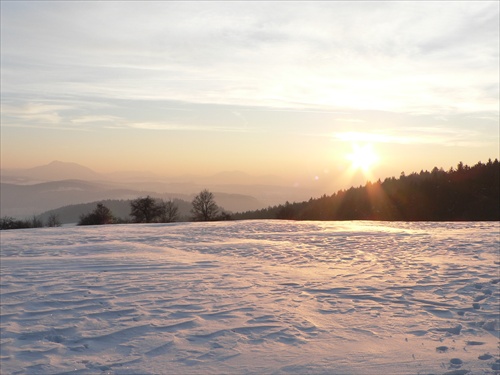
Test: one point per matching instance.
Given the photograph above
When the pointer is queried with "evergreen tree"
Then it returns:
(467, 193)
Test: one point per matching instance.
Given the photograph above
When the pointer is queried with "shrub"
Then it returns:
(100, 216)
(8, 222)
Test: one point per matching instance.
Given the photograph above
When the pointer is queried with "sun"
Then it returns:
(362, 157)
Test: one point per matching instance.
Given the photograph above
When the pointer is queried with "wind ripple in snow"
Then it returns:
(251, 297)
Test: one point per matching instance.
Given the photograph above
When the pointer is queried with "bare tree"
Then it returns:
(204, 207)
(100, 216)
(36, 222)
(168, 211)
(53, 220)
(144, 210)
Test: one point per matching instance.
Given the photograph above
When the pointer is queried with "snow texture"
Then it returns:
(252, 297)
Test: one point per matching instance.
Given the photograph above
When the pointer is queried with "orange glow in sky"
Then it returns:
(265, 88)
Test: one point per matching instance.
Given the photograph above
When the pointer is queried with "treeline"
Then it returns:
(461, 194)
(34, 222)
(142, 210)
(120, 208)
(151, 210)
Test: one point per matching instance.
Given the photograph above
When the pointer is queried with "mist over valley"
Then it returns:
(32, 191)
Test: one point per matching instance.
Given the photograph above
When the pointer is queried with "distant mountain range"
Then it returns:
(26, 200)
(57, 170)
(27, 192)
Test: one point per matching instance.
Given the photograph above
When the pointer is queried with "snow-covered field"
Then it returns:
(254, 297)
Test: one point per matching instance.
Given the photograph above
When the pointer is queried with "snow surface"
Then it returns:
(251, 297)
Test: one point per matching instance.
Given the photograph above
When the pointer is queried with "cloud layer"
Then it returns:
(316, 68)
(383, 56)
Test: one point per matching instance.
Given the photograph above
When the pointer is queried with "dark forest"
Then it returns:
(461, 194)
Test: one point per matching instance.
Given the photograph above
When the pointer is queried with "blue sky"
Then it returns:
(262, 87)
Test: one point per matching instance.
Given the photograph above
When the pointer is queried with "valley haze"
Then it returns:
(26, 192)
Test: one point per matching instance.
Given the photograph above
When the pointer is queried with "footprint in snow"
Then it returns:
(456, 362)
(485, 357)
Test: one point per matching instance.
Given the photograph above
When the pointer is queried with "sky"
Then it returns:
(282, 88)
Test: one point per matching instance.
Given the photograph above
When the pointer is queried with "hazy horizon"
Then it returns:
(321, 91)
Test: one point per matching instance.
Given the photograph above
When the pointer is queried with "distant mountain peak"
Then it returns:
(59, 162)
(59, 170)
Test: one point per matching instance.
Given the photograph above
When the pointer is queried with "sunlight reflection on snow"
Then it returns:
(251, 296)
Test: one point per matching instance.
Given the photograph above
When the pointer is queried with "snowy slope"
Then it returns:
(261, 297)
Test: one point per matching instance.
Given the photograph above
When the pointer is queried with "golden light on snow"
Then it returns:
(251, 296)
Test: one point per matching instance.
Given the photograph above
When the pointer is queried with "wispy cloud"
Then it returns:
(297, 55)
(351, 120)
(251, 76)
(34, 112)
(418, 135)
(96, 119)
(370, 138)
(181, 127)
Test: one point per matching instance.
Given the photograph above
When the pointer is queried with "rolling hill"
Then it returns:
(27, 192)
